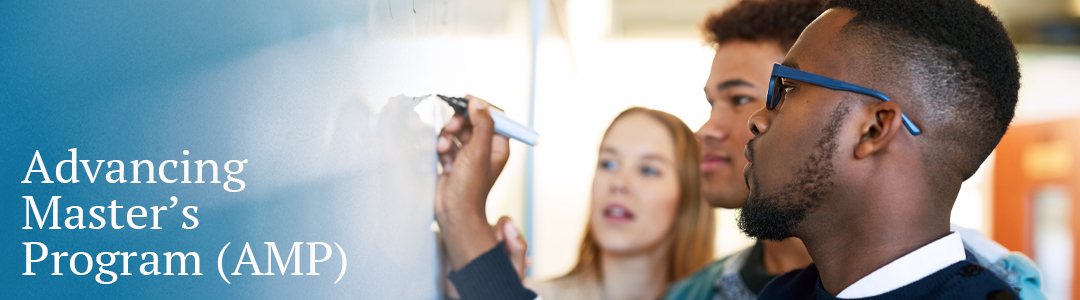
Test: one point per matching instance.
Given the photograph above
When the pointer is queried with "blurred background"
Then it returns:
(595, 58)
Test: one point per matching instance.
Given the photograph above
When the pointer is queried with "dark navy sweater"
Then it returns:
(492, 276)
(961, 280)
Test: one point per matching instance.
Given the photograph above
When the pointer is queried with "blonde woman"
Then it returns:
(648, 226)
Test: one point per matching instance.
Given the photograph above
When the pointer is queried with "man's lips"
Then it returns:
(711, 162)
(748, 152)
(746, 175)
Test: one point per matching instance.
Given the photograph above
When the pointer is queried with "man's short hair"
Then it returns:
(960, 66)
(779, 21)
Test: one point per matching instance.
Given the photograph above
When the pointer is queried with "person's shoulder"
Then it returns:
(696, 286)
(962, 280)
(700, 285)
(1015, 268)
(565, 287)
(966, 280)
(1024, 274)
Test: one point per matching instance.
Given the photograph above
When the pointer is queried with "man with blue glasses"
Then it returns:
(879, 112)
(749, 36)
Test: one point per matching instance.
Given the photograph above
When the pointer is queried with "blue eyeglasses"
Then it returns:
(776, 90)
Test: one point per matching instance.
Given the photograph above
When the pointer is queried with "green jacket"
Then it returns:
(718, 280)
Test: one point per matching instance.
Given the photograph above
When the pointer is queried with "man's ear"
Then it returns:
(879, 129)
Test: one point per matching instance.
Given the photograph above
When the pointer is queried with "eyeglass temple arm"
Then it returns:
(796, 74)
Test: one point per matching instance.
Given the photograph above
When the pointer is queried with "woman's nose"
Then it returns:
(619, 182)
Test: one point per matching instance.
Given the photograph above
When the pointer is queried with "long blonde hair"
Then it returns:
(695, 224)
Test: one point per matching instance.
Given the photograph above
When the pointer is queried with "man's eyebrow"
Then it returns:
(791, 64)
(733, 83)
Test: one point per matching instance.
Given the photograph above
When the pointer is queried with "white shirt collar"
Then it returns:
(909, 268)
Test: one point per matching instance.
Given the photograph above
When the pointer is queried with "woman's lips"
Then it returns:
(618, 213)
(711, 162)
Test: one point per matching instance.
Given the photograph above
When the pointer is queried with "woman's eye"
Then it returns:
(650, 171)
(608, 165)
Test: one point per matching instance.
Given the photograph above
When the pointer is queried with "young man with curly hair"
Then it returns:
(749, 37)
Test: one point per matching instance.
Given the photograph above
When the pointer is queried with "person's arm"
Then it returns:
(482, 269)
(490, 276)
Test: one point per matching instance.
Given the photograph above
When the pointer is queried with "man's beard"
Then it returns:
(774, 216)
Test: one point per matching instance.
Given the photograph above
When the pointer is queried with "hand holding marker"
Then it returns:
(503, 124)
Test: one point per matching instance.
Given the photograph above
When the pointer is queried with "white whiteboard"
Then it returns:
(301, 89)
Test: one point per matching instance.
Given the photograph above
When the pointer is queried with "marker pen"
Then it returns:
(503, 124)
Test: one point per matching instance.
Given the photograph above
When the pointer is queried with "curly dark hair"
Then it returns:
(957, 63)
(779, 21)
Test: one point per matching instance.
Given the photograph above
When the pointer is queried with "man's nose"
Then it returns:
(716, 130)
(759, 121)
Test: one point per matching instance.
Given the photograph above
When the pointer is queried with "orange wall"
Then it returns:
(1013, 187)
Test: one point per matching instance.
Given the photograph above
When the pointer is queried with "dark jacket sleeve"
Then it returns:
(490, 276)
